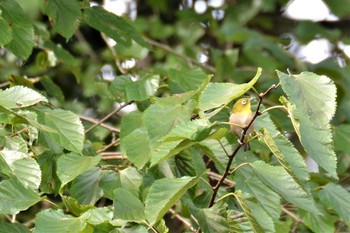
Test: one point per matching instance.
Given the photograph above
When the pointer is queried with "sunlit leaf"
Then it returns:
(69, 129)
(313, 95)
(56, 221)
(217, 95)
(20, 97)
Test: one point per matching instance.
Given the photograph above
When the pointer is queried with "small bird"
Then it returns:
(241, 116)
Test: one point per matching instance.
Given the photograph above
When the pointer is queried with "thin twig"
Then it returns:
(113, 143)
(292, 215)
(184, 57)
(94, 121)
(108, 116)
(183, 220)
(5, 84)
(215, 176)
(113, 156)
(239, 145)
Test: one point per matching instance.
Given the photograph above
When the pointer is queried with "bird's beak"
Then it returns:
(251, 99)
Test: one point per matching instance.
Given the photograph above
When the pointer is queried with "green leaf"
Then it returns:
(5, 32)
(217, 95)
(64, 15)
(25, 168)
(318, 144)
(193, 130)
(108, 182)
(159, 120)
(168, 149)
(341, 138)
(261, 216)
(85, 188)
(277, 179)
(14, 197)
(142, 89)
(127, 206)
(13, 228)
(71, 165)
(316, 140)
(163, 194)
(319, 223)
(113, 26)
(338, 7)
(20, 97)
(186, 80)
(99, 215)
(131, 180)
(69, 129)
(288, 156)
(251, 218)
(213, 220)
(312, 94)
(74, 207)
(336, 197)
(22, 41)
(55, 221)
(136, 146)
(248, 182)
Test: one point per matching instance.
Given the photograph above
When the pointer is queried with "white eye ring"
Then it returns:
(244, 102)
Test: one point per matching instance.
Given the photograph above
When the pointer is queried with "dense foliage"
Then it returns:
(132, 135)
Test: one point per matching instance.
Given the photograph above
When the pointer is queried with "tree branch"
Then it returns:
(234, 153)
(108, 116)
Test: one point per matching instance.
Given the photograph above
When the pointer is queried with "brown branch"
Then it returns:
(108, 116)
(113, 156)
(94, 121)
(234, 153)
(184, 57)
(183, 220)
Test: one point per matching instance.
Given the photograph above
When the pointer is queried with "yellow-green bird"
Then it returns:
(240, 117)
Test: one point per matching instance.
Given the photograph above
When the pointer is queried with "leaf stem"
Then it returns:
(238, 167)
(273, 107)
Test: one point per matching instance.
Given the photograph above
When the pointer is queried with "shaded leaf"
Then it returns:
(251, 218)
(341, 138)
(71, 165)
(277, 179)
(213, 219)
(85, 188)
(113, 26)
(142, 89)
(127, 206)
(14, 197)
(13, 228)
(5, 32)
(319, 223)
(163, 194)
(288, 156)
(248, 182)
(64, 15)
(338, 198)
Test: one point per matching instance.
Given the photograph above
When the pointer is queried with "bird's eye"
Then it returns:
(244, 102)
